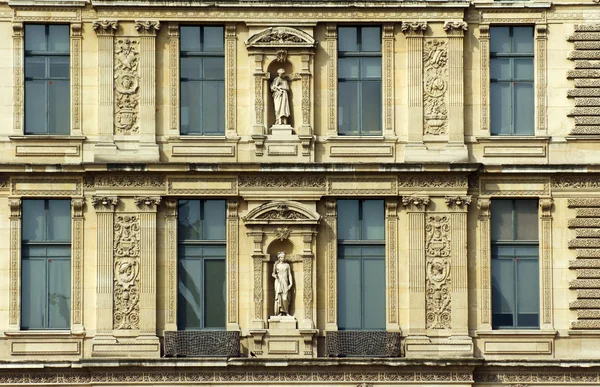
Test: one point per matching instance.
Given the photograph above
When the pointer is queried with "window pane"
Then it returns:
(59, 220)
(526, 219)
(528, 292)
(347, 39)
(190, 293)
(500, 39)
(523, 69)
(214, 290)
(59, 293)
(348, 68)
(191, 114)
(190, 68)
(35, 107)
(500, 108)
(503, 291)
(59, 67)
(502, 223)
(189, 38)
(374, 293)
(214, 220)
(377, 251)
(33, 293)
(34, 220)
(214, 68)
(524, 108)
(522, 40)
(58, 38)
(373, 215)
(213, 112)
(348, 221)
(371, 107)
(348, 107)
(500, 69)
(59, 107)
(370, 39)
(349, 294)
(370, 68)
(189, 220)
(35, 67)
(35, 37)
(213, 39)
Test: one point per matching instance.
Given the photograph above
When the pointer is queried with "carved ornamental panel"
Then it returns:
(435, 86)
(127, 57)
(126, 272)
(437, 279)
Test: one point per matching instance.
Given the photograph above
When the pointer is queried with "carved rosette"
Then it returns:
(127, 57)
(437, 275)
(127, 272)
(435, 86)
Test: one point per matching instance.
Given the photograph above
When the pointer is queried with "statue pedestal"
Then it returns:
(283, 339)
(282, 130)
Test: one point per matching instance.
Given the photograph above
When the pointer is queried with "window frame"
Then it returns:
(360, 54)
(362, 243)
(203, 243)
(221, 129)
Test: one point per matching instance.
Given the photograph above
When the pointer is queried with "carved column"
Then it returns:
(173, 32)
(415, 207)
(459, 205)
(484, 265)
(230, 79)
(18, 79)
(306, 132)
(105, 208)
(308, 266)
(414, 38)
(14, 320)
(258, 320)
(331, 40)
(76, 40)
(546, 263)
(232, 264)
(331, 230)
(147, 206)
(456, 113)
(259, 129)
(391, 244)
(171, 264)
(105, 29)
(77, 265)
(484, 64)
(541, 38)
(147, 72)
(388, 77)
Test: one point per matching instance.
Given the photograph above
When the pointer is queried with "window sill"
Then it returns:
(514, 4)
(357, 138)
(201, 139)
(47, 3)
(46, 334)
(517, 333)
(518, 139)
(47, 137)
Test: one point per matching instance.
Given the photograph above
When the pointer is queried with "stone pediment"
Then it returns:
(282, 212)
(281, 37)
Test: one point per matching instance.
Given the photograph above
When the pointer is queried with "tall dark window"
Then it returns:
(47, 79)
(515, 271)
(202, 99)
(359, 81)
(201, 244)
(511, 76)
(361, 264)
(46, 264)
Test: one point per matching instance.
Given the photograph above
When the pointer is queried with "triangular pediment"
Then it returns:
(280, 212)
(281, 37)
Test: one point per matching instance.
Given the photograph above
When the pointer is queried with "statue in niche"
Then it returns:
(281, 103)
(283, 284)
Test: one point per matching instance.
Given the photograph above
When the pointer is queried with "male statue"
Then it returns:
(283, 285)
(281, 104)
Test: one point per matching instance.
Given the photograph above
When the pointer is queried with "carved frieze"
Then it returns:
(437, 278)
(128, 181)
(281, 181)
(435, 86)
(423, 181)
(127, 57)
(126, 272)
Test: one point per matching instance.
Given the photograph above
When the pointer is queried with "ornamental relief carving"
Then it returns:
(127, 57)
(435, 86)
(282, 212)
(281, 37)
(437, 276)
(126, 272)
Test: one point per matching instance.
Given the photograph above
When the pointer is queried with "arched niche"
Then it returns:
(292, 227)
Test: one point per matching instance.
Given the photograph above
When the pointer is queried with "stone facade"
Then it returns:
(436, 165)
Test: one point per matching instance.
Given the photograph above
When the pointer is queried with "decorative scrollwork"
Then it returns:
(437, 280)
(126, 272)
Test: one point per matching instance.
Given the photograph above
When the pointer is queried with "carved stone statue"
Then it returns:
(281, 102)
(283, 284)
